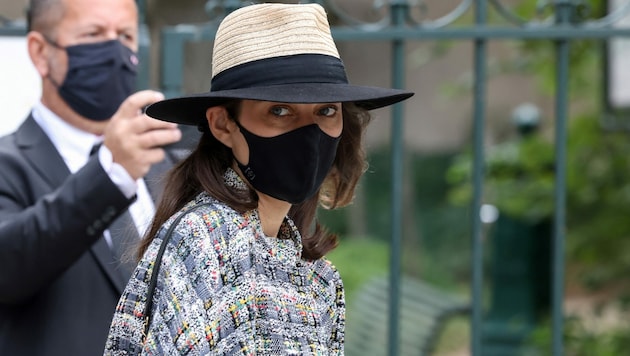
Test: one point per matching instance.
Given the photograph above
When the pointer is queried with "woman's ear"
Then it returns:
(38, 51)
(221, 126)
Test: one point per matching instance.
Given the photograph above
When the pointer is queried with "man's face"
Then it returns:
(83, 22)
(90, 21)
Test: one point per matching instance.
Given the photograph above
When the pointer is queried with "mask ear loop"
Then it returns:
(203, 127)
(244, 168)
(52, 42)
(57, 46)
(232, 109)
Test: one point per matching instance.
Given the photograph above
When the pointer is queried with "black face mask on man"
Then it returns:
(100, 77)
(291, 166)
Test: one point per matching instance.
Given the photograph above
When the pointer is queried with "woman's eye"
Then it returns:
(279, 111)
(328, 111)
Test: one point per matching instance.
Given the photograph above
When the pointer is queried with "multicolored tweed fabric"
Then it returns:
(224, 288)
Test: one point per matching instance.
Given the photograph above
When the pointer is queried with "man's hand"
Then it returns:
(135, 139)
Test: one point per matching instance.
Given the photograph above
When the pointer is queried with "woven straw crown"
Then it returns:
(271, 30)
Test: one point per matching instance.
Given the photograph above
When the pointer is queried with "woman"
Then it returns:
(234, 261)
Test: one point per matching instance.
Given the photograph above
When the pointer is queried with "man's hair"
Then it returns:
(44, 15)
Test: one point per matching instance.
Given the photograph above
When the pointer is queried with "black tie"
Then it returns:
(95, 148)
(124, 235)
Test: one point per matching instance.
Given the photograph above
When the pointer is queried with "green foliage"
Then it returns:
(598, 202)
(520, 182)
(519, 178)
(432, 226)
(519, 175)
(580, 339)
(359, 260)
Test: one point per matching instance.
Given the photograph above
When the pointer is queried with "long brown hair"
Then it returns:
(204, 168)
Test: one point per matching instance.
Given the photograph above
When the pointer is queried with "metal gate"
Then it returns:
(563, 26)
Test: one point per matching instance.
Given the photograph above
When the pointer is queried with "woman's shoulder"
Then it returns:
(326, 284)
(326, 271)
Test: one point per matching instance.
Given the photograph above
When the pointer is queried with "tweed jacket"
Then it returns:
(225, 288)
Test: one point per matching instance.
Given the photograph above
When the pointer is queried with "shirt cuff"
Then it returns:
(117, 173)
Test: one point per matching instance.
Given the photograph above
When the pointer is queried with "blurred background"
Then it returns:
(436, 254)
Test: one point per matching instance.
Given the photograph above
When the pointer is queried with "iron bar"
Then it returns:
(479, 96)
(459, 33)
(13, 31)
(482, 32)
(172, 48)
(143, 80)
(562, 48)
(508, 15)
(398, 11)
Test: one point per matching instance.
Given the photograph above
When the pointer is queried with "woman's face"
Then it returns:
(268, 119)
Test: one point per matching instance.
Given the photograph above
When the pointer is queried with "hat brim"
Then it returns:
(191, 110)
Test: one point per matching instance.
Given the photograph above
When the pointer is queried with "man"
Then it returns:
(62, 263)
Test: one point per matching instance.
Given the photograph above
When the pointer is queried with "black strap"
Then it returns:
(156, 269)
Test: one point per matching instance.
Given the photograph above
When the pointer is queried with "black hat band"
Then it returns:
(301, 68)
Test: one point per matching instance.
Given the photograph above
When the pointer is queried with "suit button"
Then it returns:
(109, 213)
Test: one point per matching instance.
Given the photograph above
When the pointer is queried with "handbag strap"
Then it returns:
(156, 269)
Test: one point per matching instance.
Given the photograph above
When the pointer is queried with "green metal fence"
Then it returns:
(562, 25)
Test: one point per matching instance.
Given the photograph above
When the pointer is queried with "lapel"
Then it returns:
(42, 154)
(102, 253)
(44, 158)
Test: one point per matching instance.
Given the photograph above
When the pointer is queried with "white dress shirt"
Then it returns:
(74, 146)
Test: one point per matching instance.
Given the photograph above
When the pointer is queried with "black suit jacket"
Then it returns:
(59, 284)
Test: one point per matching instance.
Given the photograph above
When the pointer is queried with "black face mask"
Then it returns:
(291, 166)
(100, 77)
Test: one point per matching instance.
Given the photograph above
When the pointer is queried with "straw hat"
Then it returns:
(275, 52)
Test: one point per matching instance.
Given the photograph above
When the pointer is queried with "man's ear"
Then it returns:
(221, 126)
(38, 51)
